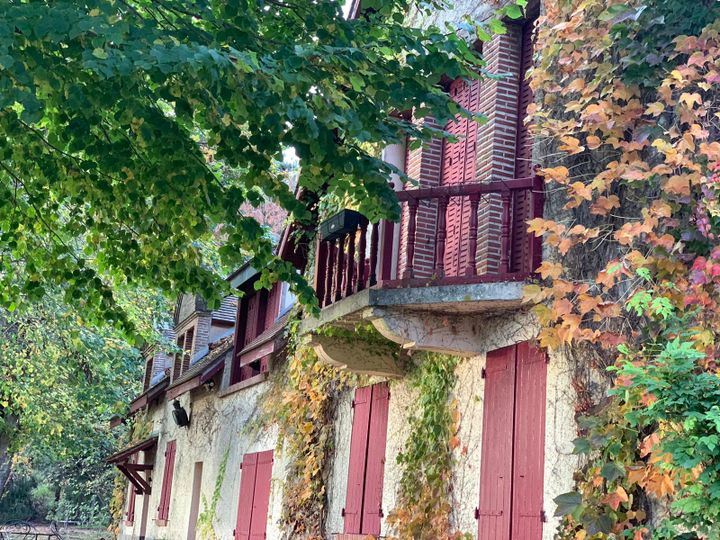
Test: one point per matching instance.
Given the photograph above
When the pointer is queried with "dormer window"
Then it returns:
(182, 359)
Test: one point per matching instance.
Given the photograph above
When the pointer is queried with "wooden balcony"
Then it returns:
(458, 250)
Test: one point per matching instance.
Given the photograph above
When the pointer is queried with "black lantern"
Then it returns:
(344, 222)
(180, 415)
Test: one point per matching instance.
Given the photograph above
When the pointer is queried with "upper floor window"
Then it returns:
(287, 299)
(182, 359)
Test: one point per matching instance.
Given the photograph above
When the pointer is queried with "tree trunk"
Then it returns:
(6, 456)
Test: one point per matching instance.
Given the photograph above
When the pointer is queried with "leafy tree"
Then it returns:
(118, 116)
(61, 381)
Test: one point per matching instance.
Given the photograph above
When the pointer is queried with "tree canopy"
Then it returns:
(118, 116)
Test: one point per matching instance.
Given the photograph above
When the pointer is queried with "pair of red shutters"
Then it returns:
(511, 479)
(254, 496)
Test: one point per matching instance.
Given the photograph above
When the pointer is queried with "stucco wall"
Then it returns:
(560, 432)
(218, 425)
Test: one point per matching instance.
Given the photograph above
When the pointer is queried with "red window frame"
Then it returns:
(182, 359)
(513, 444)
(363, 502)
(254, 497)
(165, 492)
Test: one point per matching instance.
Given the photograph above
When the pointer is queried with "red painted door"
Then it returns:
(164, 508)
(358, 453)
(529, 443)
(247, 493)
(458, 167)
(261, 498)
(375, 468)
(497, 442)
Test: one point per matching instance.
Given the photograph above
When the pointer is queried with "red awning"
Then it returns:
(126, 461)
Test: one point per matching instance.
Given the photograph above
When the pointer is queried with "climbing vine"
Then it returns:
(627, 111)
(423, 507)
(206, 520)
(139, 429)
(302, 403)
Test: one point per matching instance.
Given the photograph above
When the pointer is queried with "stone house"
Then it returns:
(447, 278)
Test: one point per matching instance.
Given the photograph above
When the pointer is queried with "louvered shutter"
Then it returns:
(497, 440)
(459, 167)
(523, 150)
(178, 358)
(273, 305)
(529, 445)
(521, 211)
(164, 508)
(375, 466)
(189, 337)
(358, 453)
(251, 318)
(261, 498)
(245, 500)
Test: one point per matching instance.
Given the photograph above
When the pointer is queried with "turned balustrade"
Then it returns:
(348, 264)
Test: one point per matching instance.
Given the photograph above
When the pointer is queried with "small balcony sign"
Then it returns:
(344, 222)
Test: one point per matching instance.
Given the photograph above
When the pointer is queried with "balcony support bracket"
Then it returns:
(357, 355)
(443, 333)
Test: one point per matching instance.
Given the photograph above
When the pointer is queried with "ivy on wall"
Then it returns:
(423, 507)
(302, 402)
(206, 520)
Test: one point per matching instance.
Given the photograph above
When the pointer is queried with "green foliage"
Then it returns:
(423, 505)
(206, 519)
(118, 119)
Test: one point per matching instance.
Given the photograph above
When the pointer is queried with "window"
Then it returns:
(287, 299)
(511, 469)
(182, 359)
(254, 499)
(149, 363)
(164, 506)
(363, 503)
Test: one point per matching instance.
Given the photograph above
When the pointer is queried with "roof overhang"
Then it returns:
(150, 395)
(126, 461)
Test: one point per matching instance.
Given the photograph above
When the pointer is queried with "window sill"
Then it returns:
(128, 522)
(161, 522)
(353, 536)
(252, 381)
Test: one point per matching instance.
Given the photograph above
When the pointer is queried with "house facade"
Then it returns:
(447, 278)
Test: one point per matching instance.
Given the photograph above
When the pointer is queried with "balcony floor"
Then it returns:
(474, 299)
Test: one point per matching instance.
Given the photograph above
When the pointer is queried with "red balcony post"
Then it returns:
(374, 253)
(471, 269)
(350, 266)
(362, 247)
(329, 273)
(505, 235)
(410, 254)
(340, 270)
(441, 235)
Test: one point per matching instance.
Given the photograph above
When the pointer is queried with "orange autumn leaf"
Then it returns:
(549, 269)
(571, 145)
(678, 185)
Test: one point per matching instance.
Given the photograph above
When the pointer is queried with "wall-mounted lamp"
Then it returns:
(180, 415)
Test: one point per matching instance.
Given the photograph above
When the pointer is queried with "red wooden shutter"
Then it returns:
(189, 337)
(375, 466)
(358, 453)
(523, 151)
(261, 498)
(164, 508)
(520, 251)
(273, 305)
(529, 444)
(458, 167)
(245, 500)
(177, 359)
(251, 318)
(497, 440)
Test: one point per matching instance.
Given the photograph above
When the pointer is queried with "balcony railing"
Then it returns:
(456, 234)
